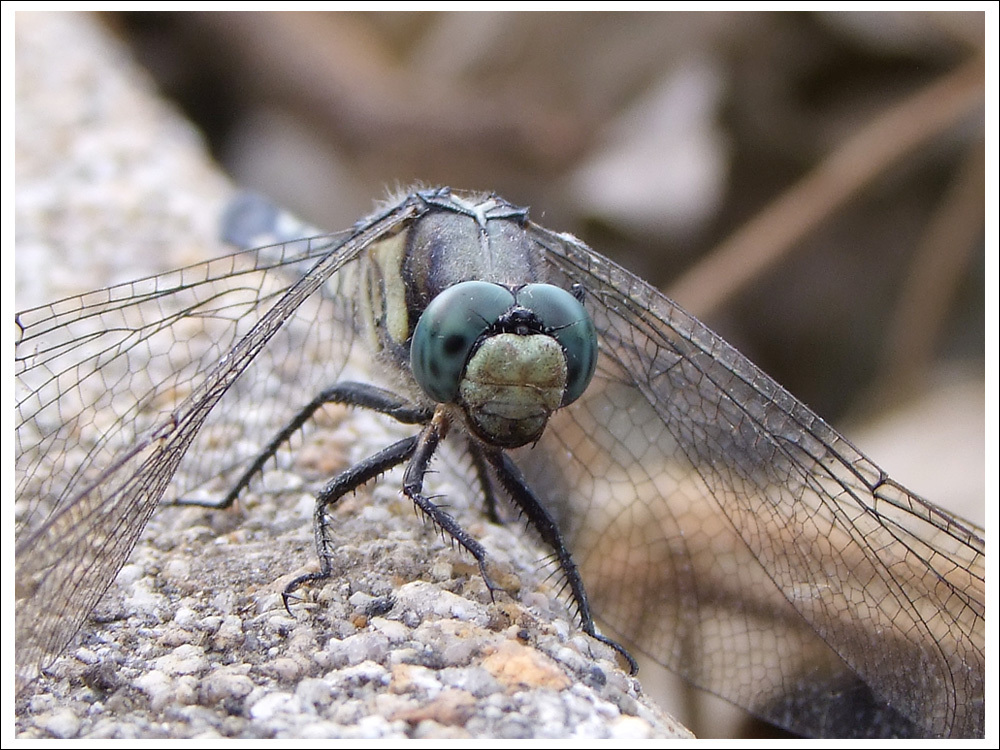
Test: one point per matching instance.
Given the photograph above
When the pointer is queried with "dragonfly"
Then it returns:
(700, 513)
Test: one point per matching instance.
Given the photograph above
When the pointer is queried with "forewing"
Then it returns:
(162, 388)
(735, 537)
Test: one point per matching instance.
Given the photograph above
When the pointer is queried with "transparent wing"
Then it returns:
(160, 389)
(720, 526)
(734, 537)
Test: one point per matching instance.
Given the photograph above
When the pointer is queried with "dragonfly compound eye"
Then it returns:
(566, 320)
(447, 331)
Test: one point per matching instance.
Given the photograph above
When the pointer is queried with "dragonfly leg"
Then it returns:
(514, 483)
(413, 482)
(340, 485)
(481, 466)
(350, 393)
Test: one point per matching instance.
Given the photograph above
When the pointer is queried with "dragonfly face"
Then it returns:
(719, 526)
(509, 358)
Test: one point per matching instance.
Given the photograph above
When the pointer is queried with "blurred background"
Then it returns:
(811, 185)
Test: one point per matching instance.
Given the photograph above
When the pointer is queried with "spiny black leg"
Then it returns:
(350, 393)
(377, 399)
(513, 481)
(340, 485)
(481, 466)
(413, 484)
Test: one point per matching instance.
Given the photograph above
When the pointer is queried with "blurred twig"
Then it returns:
(345, 78)
(857, 162)
(936, 272)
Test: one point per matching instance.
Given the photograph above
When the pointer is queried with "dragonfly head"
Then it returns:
(507, 357)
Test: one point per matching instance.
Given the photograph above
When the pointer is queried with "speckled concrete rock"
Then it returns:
(192, 640)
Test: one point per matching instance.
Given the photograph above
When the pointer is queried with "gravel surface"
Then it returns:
(192, 639)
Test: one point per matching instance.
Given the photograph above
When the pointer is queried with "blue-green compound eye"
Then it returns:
(567, 322)
(455, 320)
(447, 331)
